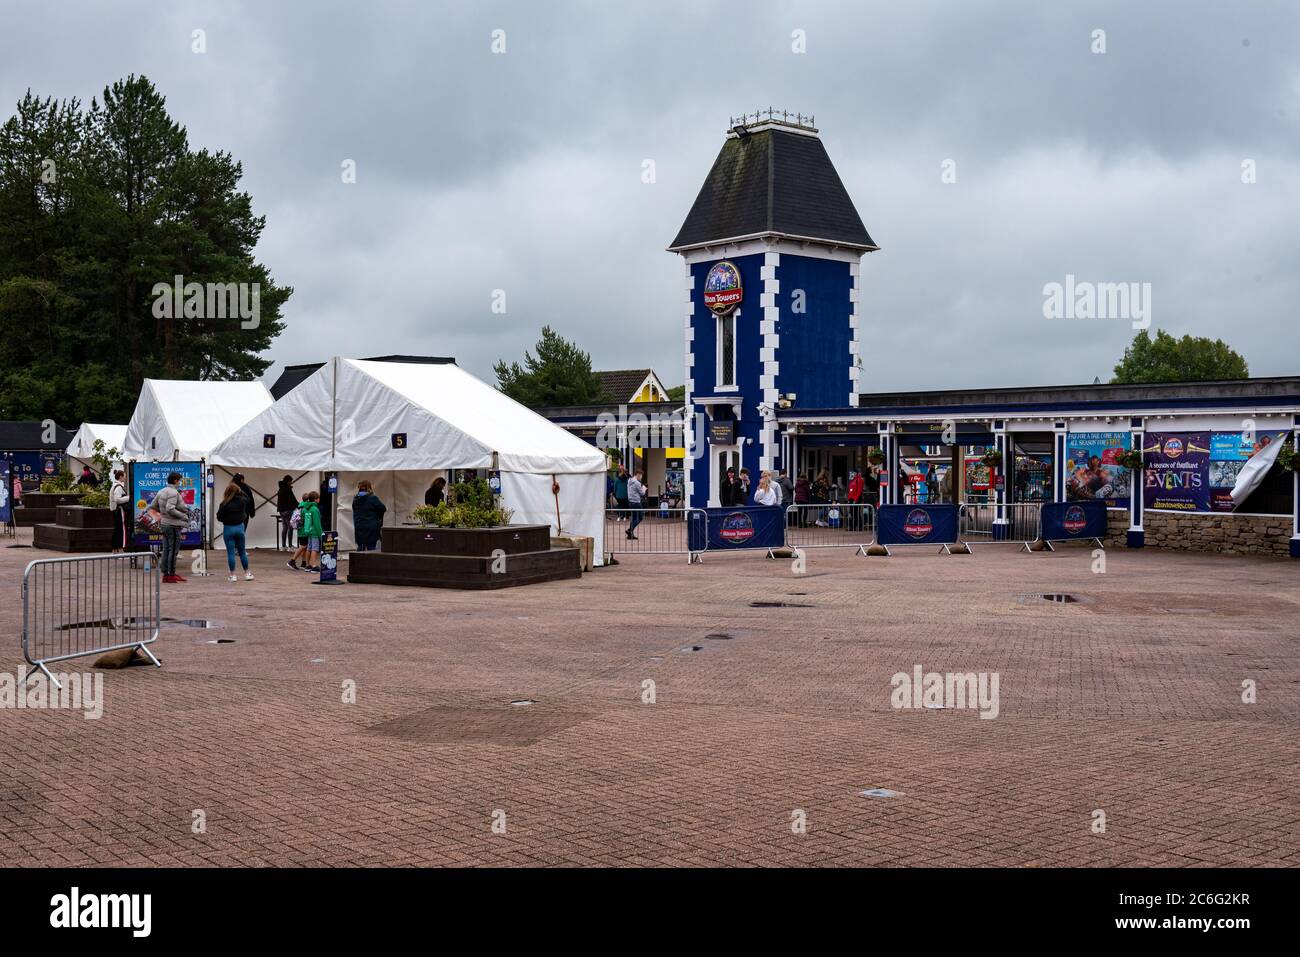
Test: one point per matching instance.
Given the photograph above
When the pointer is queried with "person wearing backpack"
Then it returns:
(367, 516)
(309, 534)
(119, 500)
(233, 516)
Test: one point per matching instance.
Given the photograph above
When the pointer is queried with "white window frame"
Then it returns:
(734, 318)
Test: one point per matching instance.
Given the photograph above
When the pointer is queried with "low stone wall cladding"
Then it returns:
(1225, 534)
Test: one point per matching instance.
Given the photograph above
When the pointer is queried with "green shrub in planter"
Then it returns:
(95, 498)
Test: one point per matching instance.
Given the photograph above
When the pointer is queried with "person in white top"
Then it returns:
(776, 488)
(764, 494)
(119, 500)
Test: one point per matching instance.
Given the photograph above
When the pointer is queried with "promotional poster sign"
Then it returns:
(916, 524)
(329, 556)
(1066, 520)
(50, 462)
(718, 529)
(722, 292)
(147, 480)
(1091, 470)
(1229, 453)
(6, 490)
(1177, 471)
(27, 467)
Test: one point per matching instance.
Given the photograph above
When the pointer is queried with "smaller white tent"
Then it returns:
(401, 425)
(82, 447)
(182, 421)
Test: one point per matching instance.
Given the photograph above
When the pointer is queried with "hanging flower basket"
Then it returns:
(1289, 458)
(875, 456)
(992, 458)
(1129, 459)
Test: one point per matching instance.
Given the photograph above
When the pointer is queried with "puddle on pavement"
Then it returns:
(780, 604)
(137, 622)
(522, 702)
(719, 636)
(878, 793)
(690, 648)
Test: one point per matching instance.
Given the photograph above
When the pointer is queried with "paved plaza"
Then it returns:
(771, 708)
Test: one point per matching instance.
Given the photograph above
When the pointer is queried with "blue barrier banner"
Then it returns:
(6, 489)
(1066, 520)
(720, 529)
(916, 524)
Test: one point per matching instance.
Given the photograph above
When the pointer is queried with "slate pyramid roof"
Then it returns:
(773, 181)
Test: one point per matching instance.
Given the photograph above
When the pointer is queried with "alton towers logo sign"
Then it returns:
(722, 291)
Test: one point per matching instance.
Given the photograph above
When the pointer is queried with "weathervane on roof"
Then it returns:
(771, 115)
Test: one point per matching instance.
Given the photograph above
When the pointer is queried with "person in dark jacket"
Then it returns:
(436, 493)
(802, 496)
(285, 503)
(730, 493)
(233, 516)
(238, 479)
(87, 477)
(367, 516)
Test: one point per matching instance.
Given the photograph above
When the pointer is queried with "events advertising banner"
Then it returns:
(916, 524)
(1177, 471)
(6, 489)
(1091, 471)
(1196, 471)
(147, 478)
(1066, 520)
(1229, 451)
(722, 529)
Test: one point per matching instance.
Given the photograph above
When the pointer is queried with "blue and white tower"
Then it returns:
(772, 247)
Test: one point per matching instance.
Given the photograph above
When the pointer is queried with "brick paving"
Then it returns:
(1128, 701)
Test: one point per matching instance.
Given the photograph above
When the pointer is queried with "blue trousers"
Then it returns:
(233, 536)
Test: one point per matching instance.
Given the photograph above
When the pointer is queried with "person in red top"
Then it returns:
(854, 496)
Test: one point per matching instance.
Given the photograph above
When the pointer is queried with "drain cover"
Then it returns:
(1054, 598)
(878, 793)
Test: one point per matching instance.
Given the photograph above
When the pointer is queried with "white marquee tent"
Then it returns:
(401, 425)
(82, 447)
(182, 421)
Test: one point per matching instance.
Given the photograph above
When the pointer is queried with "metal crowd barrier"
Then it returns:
(660, 531)
(89, 605)
(1023, 525)
(837, 525)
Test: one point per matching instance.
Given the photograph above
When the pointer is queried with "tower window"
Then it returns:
(727, 349)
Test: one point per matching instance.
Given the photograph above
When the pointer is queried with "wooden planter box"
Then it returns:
(470, 542)
(462, 558)
(38, 508)
(80, 516)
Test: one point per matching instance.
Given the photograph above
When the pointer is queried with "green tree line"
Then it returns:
(100, 207)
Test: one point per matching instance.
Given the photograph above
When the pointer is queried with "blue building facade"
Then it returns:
(772, 249)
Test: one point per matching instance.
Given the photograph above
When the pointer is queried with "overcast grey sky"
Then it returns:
(522, 171)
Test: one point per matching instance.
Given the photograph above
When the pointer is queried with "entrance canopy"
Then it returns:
(182, 421)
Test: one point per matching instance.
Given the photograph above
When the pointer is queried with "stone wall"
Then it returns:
(1226, 534)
